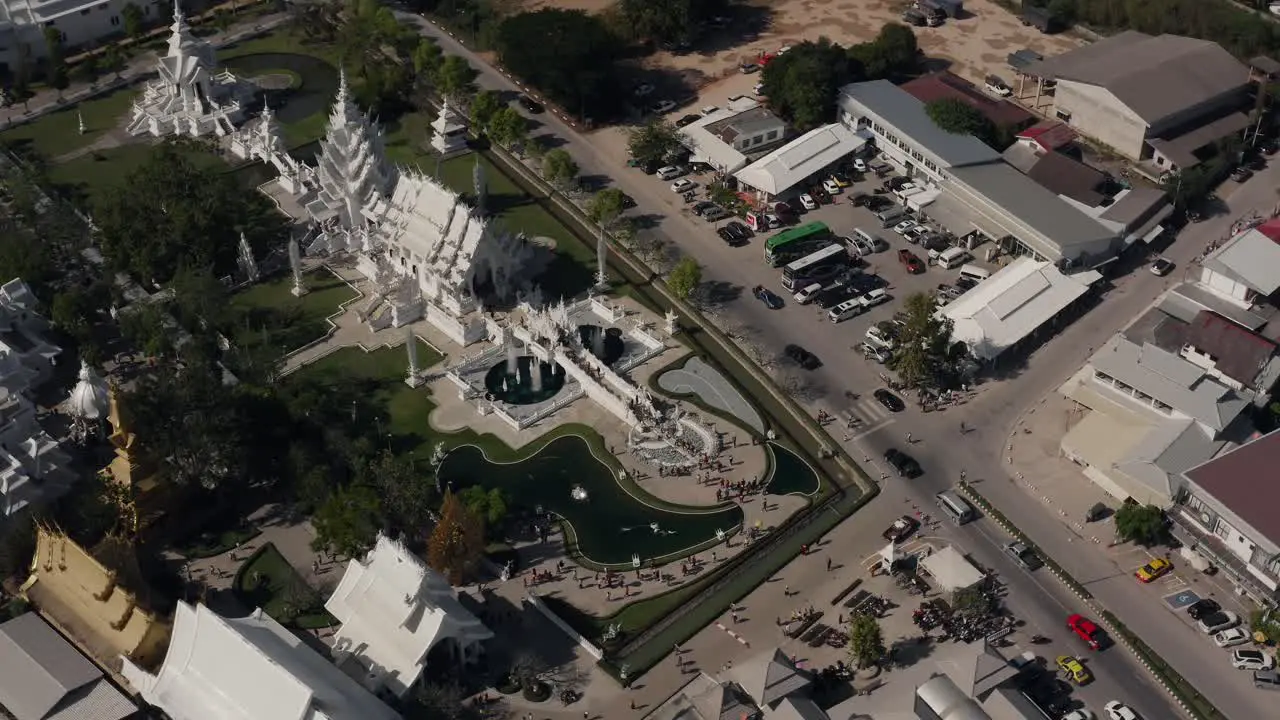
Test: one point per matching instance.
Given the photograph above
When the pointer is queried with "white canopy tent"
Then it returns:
(950, 570)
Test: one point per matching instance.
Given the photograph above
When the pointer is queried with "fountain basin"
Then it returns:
(520, 388)
(605, 343)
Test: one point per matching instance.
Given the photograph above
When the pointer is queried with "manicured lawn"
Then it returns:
(58, 133)
(268, 581)
(280, 41)
(272, 315)
(87, 177)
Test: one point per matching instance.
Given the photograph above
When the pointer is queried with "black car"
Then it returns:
(802, 357)
(1257, 163)
(1203, 608)
(876, 203)
(965, 284)
(934, 241)
(860, 199)
(727, 236)
(828, 299)
(768, 297)
(864, 283)
(688, 120)
(530, 105)
(905, 465)
(740, 231)
(703, 207)
(891, 402)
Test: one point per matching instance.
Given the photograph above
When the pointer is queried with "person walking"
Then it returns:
(908, 438)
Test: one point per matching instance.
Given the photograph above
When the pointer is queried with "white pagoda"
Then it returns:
(448, 133)
(33, 467)
(188, 98)
(90, 399)
(248, 668)
(394, 610)
(352, 171)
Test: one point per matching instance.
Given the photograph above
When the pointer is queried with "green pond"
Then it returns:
(791, 474)
(611, 525)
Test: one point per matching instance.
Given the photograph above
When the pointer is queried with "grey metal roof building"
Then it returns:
(890, 104)
(43, 677)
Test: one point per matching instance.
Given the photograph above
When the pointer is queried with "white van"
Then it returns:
(874, 298)
(875, 242)
(975, 273)
(670, 172)
(845, 310)
(956, 507)
(953, 258)
(806, 294)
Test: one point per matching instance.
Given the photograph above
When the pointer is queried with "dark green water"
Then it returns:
(791, 474)
(611, 525)
(518, 389)
(319, 83)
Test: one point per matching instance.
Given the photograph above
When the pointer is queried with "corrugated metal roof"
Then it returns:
(38, 668)
(1035, 206)
(782, 169)
(897, 108)
(1250, 257)
(1156, 77)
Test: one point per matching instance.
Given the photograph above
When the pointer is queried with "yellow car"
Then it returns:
(840, 180)
(1074, 670)
(1153, 570)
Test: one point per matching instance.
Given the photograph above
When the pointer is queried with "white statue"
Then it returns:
(672, 321)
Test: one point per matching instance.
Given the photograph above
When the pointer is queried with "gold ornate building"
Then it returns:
(85, 593)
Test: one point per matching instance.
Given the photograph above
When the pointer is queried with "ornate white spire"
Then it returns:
(90, 399)
(352, 168)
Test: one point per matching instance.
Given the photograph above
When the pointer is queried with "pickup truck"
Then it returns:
(901, 529)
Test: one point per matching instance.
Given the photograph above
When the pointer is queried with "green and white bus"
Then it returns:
(795, 243)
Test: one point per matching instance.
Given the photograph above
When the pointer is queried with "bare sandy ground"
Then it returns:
(975, 46)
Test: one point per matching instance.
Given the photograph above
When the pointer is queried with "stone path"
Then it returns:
(700, 379)
(115, 137)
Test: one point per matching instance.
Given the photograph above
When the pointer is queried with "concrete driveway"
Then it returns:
(942, 449)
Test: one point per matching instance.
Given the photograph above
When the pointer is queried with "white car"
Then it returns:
(874, 352)
(1231, 636)
(831, 186)
(918, 232)
(862, 246)
(1081, 714)
(1252, 660)
(808, 202)
(1117, 710)
(670, 172)
(860, 165)
(1161, 267)
(904, 227)
(758, 89)
(879, 337)
(683, 185)
(708, 110)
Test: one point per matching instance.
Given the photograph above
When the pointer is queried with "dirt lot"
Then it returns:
(974, 46)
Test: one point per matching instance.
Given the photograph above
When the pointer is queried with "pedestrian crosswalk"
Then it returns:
(867, 415)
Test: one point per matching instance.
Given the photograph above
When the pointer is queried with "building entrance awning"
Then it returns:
(957, 217)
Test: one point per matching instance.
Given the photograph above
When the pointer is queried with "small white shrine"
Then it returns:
(26, 356)
(448, 132)
(90, 399)
(263, 139)
(188, 98)
(394, 610)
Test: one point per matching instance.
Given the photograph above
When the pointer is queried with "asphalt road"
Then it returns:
(941, 448)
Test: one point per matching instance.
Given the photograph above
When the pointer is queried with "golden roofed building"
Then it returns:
(135, 477)
(93, 597)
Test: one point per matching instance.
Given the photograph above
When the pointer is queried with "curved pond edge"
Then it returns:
(572, 545)
(697, 401)
(771, 447)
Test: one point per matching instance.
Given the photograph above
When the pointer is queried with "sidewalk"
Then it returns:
(139, 68)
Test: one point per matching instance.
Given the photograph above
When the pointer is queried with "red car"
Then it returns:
(1086, 630)
(911, 261)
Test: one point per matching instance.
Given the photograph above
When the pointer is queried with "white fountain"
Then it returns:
(578, 493)
(295, 264)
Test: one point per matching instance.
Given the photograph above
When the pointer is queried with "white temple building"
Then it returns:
(188, 98)
(394, 610)
(248, 668)
(90, 399)
(26, 358)
(351, 169)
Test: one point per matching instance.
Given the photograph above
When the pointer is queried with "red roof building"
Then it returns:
(945, 85)
(1049, 135)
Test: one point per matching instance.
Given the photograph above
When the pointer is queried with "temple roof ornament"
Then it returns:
(90, 399)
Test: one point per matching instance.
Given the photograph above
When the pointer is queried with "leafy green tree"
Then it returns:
(893, 54)
(567, 54)
(88, 69)
(189, 216)
(348, 522)
(456, 542)
(866, 642)
(59, 78)
(958, 118)
(199, 298)
(685, 277)
(113, 59)
(484, 105)
(651, 143)
(971, 601)
(455, 77)
(442, 701)
(660, 20)
(559, 168)
(408, 494)
(508, 128)
(606, 206)
(1141, 524)
(72, 312)
(801, 85)
(427, 58)
(922, 357)
(23, 254)
(131, 15)
(144, 327)
(489, 505)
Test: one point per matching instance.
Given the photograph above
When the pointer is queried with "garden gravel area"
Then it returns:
(700, 379)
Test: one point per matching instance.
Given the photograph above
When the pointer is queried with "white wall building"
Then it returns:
(26, 357)
(726, 137)
(22, 24)
(248, 668)
(394, 610)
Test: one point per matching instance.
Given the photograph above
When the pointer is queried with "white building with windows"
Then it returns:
(80, 22)
(979, 196)
(727, 138)
(248, 668)
(393, 611)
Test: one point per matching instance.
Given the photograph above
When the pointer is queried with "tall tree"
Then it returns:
(454, 78)
(660, 20)
(893, 54)
(489, 505)
(650, 143)
(559, 168)
(484, 105)
(567, 54)
(1141, 524)
(685, 277)
(922, 357)
(171, 213)
(457, 541)
(347, 523)
(133, 21)
(802, 84)
(606, 206)
(408, 493)
(508, 128)
(866, 643)
(959, 118)
(427, 57)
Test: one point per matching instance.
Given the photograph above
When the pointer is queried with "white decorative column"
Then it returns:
(295, 263)
(602, 253)
(413, 376)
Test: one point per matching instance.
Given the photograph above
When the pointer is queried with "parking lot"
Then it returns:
(842, 353)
